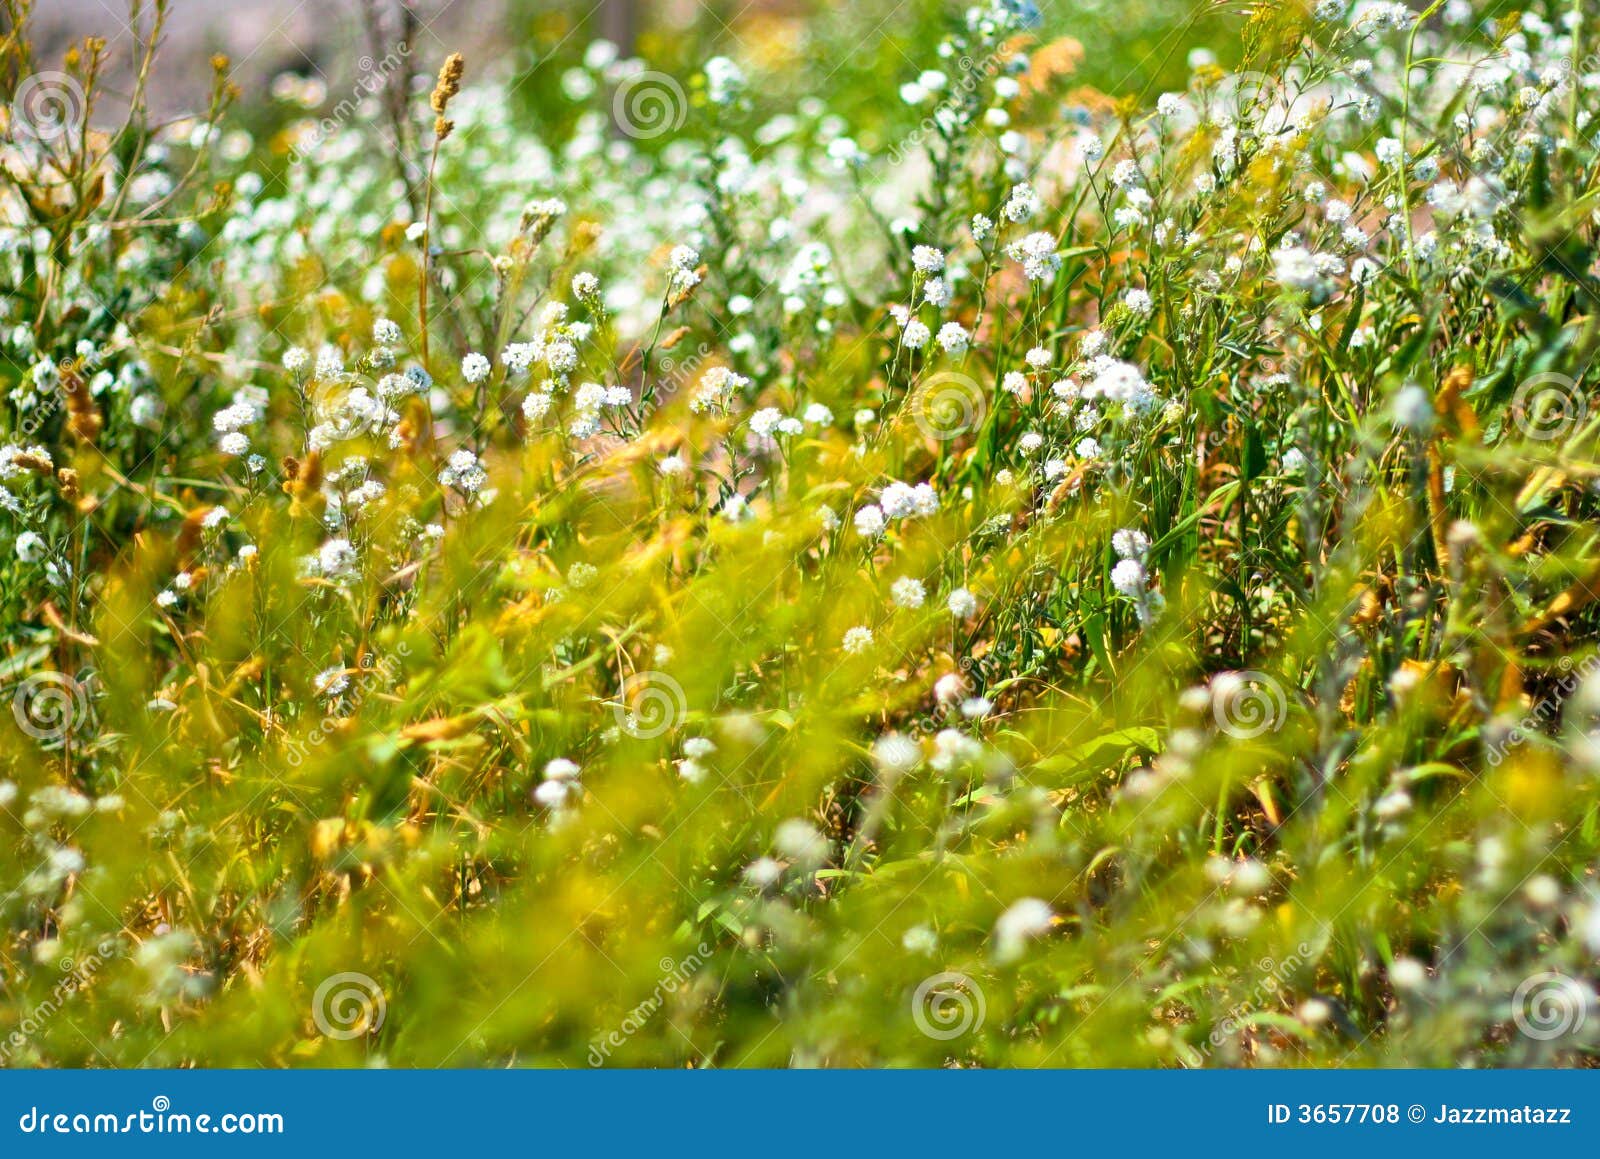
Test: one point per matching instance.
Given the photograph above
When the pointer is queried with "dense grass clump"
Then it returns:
(1037, 577)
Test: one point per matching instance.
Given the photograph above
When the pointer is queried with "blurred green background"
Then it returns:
(843, 50)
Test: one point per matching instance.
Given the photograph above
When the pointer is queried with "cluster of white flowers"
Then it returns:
(717, 389)
(1131, 578)
(464, 471)
(1037, 255)
(559, 787)
(896, 501)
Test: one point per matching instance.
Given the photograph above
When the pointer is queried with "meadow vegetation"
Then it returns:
(986, 569)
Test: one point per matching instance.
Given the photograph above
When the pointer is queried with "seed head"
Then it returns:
(449, 82)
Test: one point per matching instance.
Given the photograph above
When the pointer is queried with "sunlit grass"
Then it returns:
(1074, 583)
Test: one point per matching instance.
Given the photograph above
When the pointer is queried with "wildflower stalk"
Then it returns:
(449, 84)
